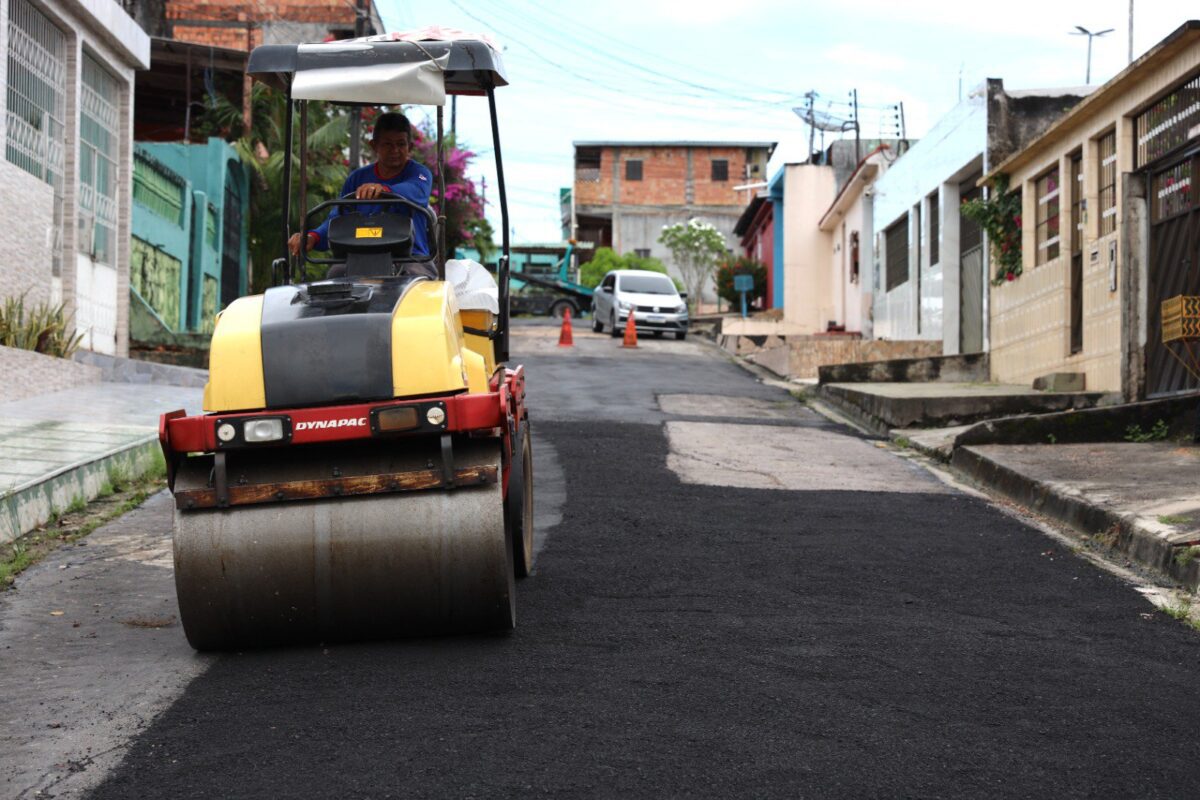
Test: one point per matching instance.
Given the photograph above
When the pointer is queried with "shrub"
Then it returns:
(741, 266)
(605, 260)
(42, 328)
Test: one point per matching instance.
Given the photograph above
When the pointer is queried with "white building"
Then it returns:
(931, 263)
(66, 123)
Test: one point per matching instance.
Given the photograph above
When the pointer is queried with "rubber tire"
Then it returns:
(614, 331)
(518, 505)
(597, 325)
(680, 336)
(556, 310)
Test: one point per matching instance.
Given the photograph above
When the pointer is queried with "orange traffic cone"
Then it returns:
(630, 332)
(564, 337)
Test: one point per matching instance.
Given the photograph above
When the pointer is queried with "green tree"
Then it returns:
(695, 245)
(605, 260)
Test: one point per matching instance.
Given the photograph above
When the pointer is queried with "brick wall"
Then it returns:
(665, 172)
(186, 18)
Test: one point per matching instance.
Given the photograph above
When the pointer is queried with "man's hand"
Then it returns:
(294, 243)
(371, 191)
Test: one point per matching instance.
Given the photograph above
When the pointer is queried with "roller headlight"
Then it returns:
(269, 429)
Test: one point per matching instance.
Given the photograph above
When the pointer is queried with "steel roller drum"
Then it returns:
(428, 562)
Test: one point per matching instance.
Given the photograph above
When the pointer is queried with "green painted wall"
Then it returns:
(178, 218)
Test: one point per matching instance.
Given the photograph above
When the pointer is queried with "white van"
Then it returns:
(651, 296)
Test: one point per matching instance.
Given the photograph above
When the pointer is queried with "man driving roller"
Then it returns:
(393, 171)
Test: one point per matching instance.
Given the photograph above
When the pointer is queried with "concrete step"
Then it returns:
(882, 407)
(968, 368)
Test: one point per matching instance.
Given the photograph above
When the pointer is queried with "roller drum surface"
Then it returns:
(428, 562)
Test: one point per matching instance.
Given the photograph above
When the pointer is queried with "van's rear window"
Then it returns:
(647, 284)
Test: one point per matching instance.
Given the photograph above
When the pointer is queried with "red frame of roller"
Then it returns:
(501, 410)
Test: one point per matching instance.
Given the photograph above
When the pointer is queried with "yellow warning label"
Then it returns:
(368, 233)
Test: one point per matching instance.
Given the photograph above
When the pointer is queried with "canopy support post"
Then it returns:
(441, 171)
(502, 263)
(287, 181)
(302, 224)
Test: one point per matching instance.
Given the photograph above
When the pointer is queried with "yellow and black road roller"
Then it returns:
(363, 466)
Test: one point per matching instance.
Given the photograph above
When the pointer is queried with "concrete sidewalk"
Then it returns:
(60, 448)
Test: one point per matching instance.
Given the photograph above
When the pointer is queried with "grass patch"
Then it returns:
(80, 519)
(1157, 433)
(1051, 438)
(903, 442)
(1174, 519)
(1176, 611)
(1187, 555)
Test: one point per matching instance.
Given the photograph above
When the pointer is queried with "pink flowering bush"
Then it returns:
(464, 206)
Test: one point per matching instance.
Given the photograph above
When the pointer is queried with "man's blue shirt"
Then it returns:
(413, 183)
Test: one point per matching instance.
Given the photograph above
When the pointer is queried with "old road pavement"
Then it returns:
(732, 598)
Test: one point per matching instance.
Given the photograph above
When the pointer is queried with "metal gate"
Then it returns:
(970, 286)
(1174, 266)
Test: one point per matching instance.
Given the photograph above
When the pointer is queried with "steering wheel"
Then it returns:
(384, 199)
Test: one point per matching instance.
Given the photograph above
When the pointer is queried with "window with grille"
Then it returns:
(36, 92)
(587, 164)
(896, 252)
(1171, 191)
(641, 252)
(633, 169)
(99, 126)
(1076, 202)
(1168, 123)
(1047, 193)
(720, 169)
(935, 232)
(1108, 183)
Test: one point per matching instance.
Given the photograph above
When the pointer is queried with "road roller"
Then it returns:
(362, 467)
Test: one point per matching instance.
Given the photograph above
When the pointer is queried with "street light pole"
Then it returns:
(1082, 31)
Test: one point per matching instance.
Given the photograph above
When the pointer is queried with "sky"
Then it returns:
(659, 69)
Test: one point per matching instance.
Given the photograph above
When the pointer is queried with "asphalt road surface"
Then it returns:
(732, 598)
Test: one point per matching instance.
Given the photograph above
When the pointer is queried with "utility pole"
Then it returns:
(1130, 31)
(360, 19)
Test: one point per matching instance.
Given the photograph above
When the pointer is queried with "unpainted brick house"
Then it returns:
(625, 192)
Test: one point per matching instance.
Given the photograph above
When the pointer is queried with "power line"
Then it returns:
(590, 79)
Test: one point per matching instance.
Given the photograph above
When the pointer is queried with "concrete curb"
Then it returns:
(131, 370)
(35, 502)
(1124, 533)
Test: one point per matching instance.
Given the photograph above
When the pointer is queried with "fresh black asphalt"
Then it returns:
(692, 641)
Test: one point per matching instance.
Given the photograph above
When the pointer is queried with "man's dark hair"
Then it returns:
(392, 121)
